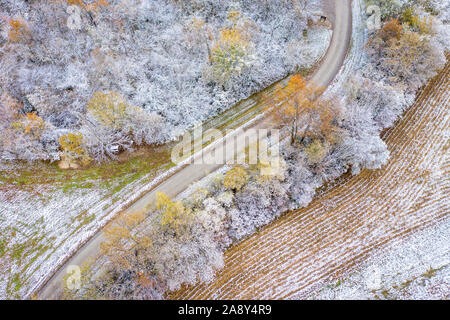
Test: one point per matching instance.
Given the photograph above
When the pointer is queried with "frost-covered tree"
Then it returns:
(379, 102)
(257, 204)
(410, 59)
(389, 8)
(231, 56)
(300, 181)
(103, 143)
(215, 218)
(364, 151)
(184, 247)
(25, 135)
(128, 272)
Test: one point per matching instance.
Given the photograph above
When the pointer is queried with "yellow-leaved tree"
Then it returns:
(109, 108)
(73, 148)
(124, 246)
(421, 25)
(235, 178)
(19, 30)
(316, 151)
(173, 214)
(229, 55)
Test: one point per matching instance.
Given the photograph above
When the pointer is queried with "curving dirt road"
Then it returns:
(351, 220)
(179, 181)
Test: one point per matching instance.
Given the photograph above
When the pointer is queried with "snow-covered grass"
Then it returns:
(310, 49)
(46, 213)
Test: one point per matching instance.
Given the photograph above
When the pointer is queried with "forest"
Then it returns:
(85, 80)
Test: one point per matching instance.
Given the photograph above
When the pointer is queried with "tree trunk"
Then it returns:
(295, 125)
(209, 51)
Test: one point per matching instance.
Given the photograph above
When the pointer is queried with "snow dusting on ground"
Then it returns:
(414, 268)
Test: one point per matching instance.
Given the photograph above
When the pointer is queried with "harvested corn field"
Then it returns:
(351, 219)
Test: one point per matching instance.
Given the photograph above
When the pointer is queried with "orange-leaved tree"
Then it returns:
(19, 30)
(391, 29)
(304, 112)
(30, 124)
(295, 100)
(93, 6)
